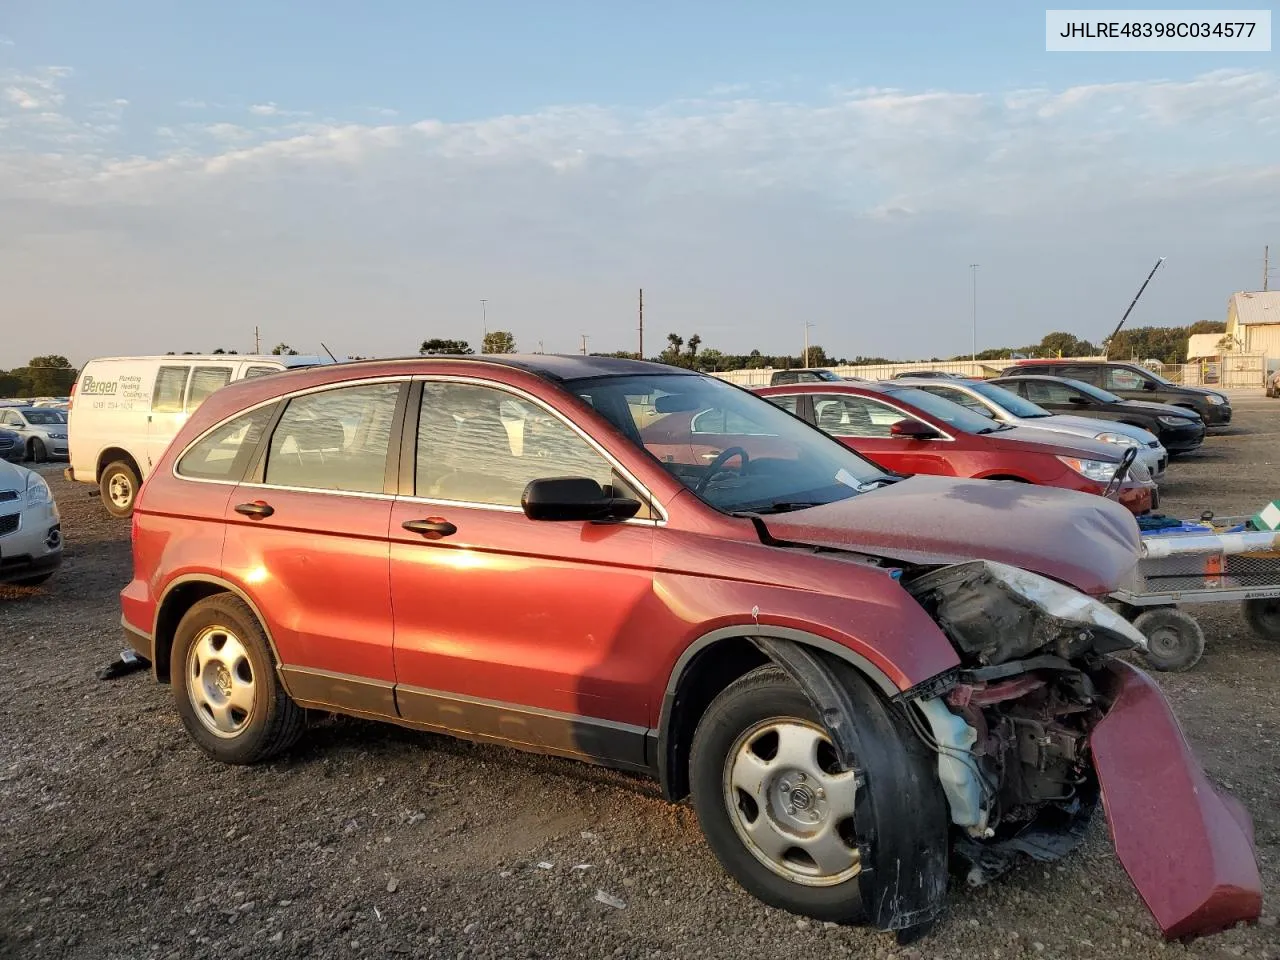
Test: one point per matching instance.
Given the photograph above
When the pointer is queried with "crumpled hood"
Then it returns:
(1079, 539)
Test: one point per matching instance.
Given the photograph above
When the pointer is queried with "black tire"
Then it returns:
(273, 722)
(37, 451)
(1263, 617)
(1175, 639)
(902, 821)
(36, 581)
(118, 486)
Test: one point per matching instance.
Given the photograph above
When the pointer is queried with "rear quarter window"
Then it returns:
(224, 452)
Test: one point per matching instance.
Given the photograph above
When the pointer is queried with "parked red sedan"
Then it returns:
(853, 675)
(911, 431)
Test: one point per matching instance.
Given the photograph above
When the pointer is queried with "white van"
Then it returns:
(125, 410)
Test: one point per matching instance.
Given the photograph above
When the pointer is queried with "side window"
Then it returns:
(1049, 392)
(10, 419)
(719, 422)
(205, 380)
(481, 445)
(171, 387)
(1122, 378)
(259, 372)
(851, 416)
(1085, 374)
(335, 440)
(224, 454)
(965, 400)
(790, 404)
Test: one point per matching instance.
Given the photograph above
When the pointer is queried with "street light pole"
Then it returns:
(973, 270)
(807, 325)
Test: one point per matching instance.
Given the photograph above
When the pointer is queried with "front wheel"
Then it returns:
(1263, 616)
(1174, 639)
(225, 685)
(778, 811)
(38, 453)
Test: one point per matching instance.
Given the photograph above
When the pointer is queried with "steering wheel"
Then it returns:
(714, 467)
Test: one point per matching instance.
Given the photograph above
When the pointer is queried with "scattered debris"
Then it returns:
(127, 662)
(609, 900)
(392, 884)
(581, 866)
(505, 875)
(588, 835)
(545, 865)
(377, 913)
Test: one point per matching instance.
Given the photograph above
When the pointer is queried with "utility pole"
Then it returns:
(257, 343)
(540, 350)
(973, 271)
(642, 323)
(484, 317)
(584, 344)
(1266, 266)
(807, 325)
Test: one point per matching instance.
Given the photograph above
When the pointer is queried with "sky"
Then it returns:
(363, 175)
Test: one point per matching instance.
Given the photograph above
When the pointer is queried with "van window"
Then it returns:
(259, 372)
(224, 454)
(335, 440)
(205, 380)
(171, 387)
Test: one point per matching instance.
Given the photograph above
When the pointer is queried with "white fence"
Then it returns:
(1228, 371)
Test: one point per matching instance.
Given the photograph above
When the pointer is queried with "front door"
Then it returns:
(507, 628)
(864, 424)
(307, 539)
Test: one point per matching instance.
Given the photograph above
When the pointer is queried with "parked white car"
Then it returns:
(125, 410)
(30, 527)
(1005, 406)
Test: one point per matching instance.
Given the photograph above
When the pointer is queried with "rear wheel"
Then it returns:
(118, 485)
(225, 685)
(1263, 616)
(778, 811)
(1174, 640)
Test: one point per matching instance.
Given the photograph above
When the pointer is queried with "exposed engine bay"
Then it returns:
(1011, 728)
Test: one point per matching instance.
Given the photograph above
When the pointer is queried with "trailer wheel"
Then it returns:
(1175, 641)
(1263, 616)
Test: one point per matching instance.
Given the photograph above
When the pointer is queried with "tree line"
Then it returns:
(49, 376)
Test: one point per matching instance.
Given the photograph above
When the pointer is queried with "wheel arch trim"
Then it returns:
(225, 586)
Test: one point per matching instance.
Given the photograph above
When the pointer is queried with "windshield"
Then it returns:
(947, 411)
(691, 424)
(45, 416)
(1096, 392)
(1023, 409)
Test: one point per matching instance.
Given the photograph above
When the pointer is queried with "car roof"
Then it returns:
(934, 381)
(549, 366)
(288, 360)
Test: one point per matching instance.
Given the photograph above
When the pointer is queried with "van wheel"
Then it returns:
(119, 485)
(225, 685)
(779, 813)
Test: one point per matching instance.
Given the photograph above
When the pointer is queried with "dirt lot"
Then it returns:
(119, 840)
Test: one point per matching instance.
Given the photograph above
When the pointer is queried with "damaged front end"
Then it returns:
(1041, 721)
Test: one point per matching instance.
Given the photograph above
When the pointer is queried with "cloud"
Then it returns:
(6, 42)
(192, 104)
(383, 111)
(860, 209)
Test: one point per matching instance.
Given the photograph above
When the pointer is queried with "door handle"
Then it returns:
(257, 509)
(432, 527)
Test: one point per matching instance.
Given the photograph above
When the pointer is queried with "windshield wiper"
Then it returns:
(786, 506)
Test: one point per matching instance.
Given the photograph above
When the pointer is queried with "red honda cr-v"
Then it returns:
(853, 675)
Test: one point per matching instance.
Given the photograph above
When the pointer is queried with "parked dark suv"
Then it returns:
(1179, 429)
(1133, 382)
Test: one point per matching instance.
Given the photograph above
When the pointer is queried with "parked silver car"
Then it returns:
(30, 528)
(43, 431)
(1007, 407)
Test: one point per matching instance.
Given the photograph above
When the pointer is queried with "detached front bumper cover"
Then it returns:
(1187, 847)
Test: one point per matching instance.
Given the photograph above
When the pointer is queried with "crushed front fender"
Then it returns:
(1187, 846)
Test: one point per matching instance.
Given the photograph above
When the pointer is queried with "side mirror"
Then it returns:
(1150, 385)
(574, 498)
(912, 430)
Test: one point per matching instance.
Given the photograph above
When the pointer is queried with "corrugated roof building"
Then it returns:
(1253, 319)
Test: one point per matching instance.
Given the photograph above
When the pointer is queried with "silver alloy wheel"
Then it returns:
(790, 804)
(120, 490)
(220, 681)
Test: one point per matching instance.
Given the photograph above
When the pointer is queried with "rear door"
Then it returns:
(168, 409)
(505, 627)
(306, 535)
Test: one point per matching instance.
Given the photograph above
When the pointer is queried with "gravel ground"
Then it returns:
(119, 840)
